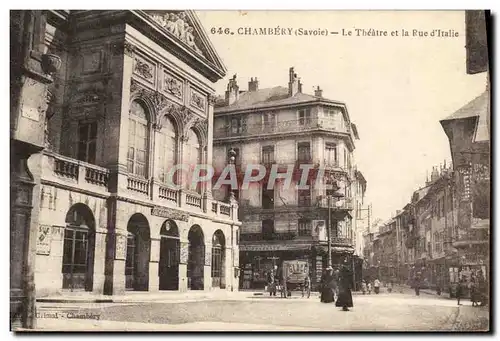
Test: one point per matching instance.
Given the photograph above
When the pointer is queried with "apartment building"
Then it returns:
(284, 128)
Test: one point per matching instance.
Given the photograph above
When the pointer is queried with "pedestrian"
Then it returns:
(327, 286)
(306, 286)
(461, 286)
(345, 285)
(474, 294)
(363, 287)
(416, 283)
(482, 288)
(376, 286)
(369, 287)
(389, 286)
(336, 279)
(272, 281)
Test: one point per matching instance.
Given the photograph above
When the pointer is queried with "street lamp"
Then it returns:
(337, 195)
(232, 160)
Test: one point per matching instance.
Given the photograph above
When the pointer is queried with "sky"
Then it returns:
(396, 88)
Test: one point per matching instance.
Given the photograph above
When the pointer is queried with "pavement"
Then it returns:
(400, 310)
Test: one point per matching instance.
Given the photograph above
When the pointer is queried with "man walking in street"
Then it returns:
(416, 283)
(376, 286)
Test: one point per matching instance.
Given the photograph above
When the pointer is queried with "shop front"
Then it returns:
(256, 261)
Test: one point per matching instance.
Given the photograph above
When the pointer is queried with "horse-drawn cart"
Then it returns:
(295, 276)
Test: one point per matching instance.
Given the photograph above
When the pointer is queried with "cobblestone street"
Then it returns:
(384, 312)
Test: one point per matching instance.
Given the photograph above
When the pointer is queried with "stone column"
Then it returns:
(99, 260)
(210, 139)
(207, 271)
(184, 249)
(228, 268)
(154, 280)
(122, 63)
(120, 237)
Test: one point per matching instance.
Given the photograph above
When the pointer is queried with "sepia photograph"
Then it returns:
(180, 170)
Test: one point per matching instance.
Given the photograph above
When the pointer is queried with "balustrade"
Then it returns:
(225, 209)
(167, 193)
(80, 173)
(193, 200)
(66, 168)
(97, 176)
(138, 185)
(290, 126)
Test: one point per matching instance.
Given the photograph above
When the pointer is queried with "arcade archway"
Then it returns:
(196, 258)
(138, 252)
(78, 249)
(168, 270)
(218, 260)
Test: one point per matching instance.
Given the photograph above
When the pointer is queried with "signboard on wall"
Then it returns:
(43, 240)
(183, 259)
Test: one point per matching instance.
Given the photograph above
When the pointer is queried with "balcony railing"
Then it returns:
(138, 185)
(193, 200)
(291, 126)
(342, 203)
(225, 209)
(82, 175)
(262, 237)
(70, 171)
(168, 193)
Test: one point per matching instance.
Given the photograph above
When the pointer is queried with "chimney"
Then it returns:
(253, 85)
(318, 92)
(232, 91)
(293, 83)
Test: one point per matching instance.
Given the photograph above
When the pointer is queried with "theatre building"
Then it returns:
(132, 98)
(284, 128)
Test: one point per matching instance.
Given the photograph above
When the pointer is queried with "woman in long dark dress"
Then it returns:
(345, 296)
(327, 285)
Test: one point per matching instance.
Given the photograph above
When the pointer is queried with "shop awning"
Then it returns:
(274, 247)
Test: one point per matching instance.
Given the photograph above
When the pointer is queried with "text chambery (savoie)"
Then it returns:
(281, 31)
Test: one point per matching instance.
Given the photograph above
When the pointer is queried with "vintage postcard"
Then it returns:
(185, 170)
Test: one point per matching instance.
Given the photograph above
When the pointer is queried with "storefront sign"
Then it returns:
(44, 239)
(121, 247)
(169, 213)
(283, 247)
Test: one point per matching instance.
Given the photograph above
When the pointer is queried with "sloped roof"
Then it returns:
(419, 194)
(474, 108)
(262, 98)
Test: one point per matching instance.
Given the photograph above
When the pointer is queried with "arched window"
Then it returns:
(167, 150)
(192, 153)
(137, 140)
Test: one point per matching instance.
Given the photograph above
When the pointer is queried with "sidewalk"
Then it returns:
(145, 297)
(76, 325)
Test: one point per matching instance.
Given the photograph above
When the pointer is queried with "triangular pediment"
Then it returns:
(185, 27)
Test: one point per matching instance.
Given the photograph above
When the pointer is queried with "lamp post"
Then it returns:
(337, 195)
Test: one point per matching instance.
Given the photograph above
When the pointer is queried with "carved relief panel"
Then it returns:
(144, 69)
(92, 62)
(173, 87)
(197, 101)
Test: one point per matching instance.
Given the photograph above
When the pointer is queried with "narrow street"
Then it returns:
(384, 312)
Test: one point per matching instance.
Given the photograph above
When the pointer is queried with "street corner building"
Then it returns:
(103, 104)
(283, 128)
